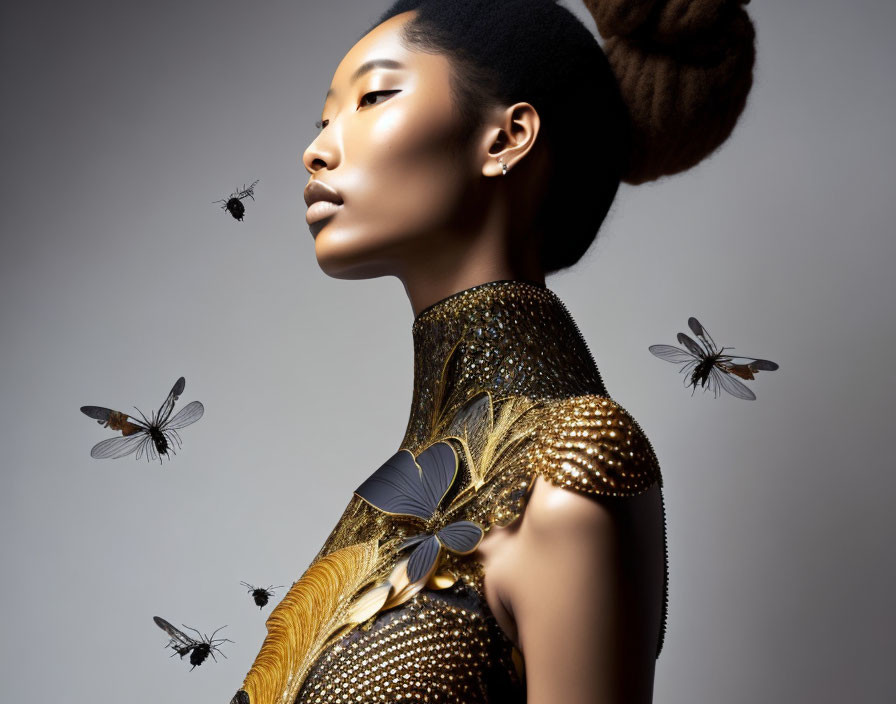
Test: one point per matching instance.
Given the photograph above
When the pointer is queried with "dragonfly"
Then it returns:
(154, 436)
(706, 364)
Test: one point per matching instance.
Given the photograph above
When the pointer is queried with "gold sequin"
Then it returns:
(440, 646)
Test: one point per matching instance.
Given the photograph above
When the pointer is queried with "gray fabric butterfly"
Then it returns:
(407, 487)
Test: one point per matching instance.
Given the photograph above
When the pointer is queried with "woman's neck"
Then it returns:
(425, 285)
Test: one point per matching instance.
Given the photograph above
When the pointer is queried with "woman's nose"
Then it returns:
(319, 155)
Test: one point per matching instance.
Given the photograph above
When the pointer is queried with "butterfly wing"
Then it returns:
(399, 486)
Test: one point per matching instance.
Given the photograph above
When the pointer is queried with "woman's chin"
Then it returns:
(342, 262)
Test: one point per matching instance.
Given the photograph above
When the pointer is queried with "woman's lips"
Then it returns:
(321, 209)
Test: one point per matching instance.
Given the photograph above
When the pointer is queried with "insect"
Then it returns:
(707, 364)
(155, 436)
(260, 594)
(182, 644)
(234, 204)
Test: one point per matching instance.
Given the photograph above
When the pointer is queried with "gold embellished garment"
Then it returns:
(393, 608)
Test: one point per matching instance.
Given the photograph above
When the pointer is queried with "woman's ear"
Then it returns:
(510, 136)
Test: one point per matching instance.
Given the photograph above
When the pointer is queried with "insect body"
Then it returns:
(708, 365)
(182, 644)
(234, 204)
(260, 594)
(155, 436)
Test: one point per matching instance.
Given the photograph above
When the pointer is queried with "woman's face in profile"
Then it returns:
(390, 146)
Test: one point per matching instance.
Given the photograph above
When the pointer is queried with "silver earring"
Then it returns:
(503, 167)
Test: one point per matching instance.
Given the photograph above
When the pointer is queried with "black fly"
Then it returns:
(182, 644)
(707, 364)
(234, 204)
(156, 435)
(259, 594)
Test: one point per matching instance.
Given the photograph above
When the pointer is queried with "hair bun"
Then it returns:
(684, 68)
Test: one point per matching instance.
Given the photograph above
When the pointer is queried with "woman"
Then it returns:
(513, 548)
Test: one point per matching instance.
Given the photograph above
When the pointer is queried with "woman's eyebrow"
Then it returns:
(369, 66)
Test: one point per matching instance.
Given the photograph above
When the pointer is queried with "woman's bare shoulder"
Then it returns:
(583, 580)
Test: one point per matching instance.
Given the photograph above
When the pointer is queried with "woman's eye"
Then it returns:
(320, 124)
(376, 92)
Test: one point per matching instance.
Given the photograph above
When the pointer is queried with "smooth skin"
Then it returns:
(576, 582)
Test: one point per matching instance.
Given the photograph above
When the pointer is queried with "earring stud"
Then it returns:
(503, 167)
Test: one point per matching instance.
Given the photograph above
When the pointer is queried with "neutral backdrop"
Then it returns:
(124, 120)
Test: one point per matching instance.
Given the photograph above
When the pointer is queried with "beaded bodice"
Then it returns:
(392, 608)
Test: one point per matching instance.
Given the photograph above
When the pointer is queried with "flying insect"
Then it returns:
(182, 644)
(234, 204)
(260, 594)
(154, 436)
(707, 364)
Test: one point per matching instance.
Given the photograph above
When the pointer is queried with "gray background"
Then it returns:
(122, 121)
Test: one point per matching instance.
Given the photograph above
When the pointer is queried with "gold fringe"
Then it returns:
(316, 610)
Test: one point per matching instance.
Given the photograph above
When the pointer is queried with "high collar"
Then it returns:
(510, 337)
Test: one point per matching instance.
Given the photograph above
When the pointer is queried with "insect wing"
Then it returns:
(763, 365)
(149, 448)
(756, 365)
(709, 345)
(250, 191)
(168, 404)
(691, 346)
(97, 412)
(745, 366)
(177, 636)
(116, 420)
(728, 383)
(670, 353)
(696, 327)
(187, 415)
(113, 448)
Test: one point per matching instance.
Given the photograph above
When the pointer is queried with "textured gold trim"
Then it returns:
(314, 612)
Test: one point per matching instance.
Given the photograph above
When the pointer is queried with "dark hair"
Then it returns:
(663, 93)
